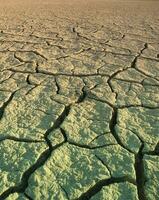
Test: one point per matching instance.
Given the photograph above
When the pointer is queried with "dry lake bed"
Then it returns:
(79, 100)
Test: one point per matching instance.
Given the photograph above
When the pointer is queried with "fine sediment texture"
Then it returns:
(79, 100)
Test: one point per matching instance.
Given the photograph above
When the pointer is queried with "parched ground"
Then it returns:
(79, 100)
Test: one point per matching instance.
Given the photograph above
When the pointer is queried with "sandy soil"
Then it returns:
(79, 100)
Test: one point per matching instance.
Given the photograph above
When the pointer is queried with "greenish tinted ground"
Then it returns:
(79, 101)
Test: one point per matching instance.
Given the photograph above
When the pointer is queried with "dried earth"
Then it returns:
(79, 100)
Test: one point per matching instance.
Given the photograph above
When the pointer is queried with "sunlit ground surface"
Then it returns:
(79, 100)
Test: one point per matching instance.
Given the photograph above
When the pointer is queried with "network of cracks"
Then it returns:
(79, 111)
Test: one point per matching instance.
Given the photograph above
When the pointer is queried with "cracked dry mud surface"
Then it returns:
(79, 100)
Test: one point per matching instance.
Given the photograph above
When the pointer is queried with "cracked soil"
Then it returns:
(79, 100)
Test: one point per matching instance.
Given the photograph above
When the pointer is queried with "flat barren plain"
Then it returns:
(79, 100)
